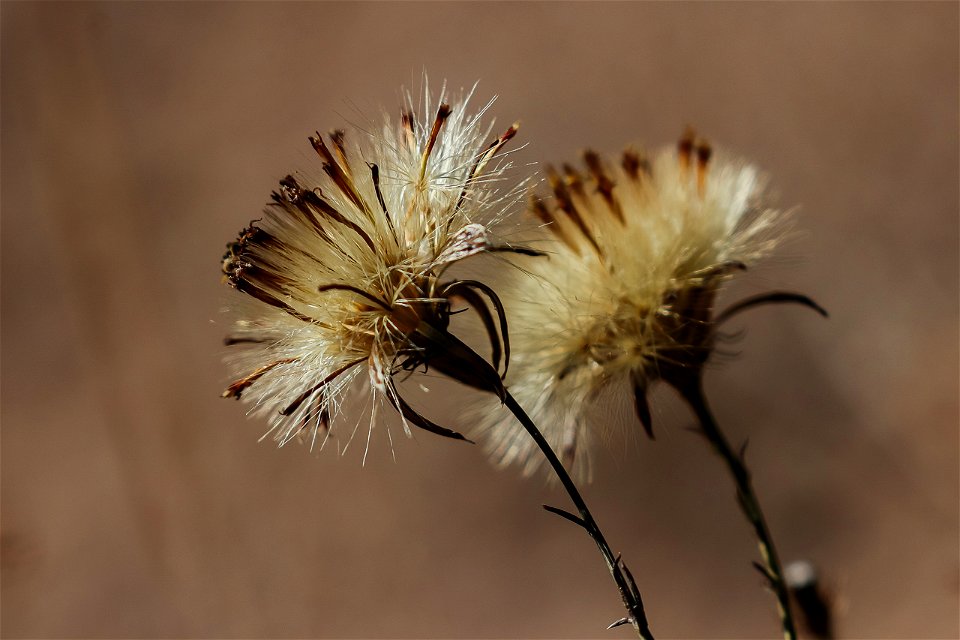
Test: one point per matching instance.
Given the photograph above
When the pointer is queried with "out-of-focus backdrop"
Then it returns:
(139, 137)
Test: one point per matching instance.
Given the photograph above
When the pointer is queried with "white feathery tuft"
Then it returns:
(339, 271)
(630, 244)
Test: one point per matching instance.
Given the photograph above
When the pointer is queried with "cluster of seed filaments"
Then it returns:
(651, 343)
(569, 219)
(377, 321)
(573, 204)
(375, 318)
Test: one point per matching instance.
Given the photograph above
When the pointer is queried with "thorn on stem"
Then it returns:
(765, 573)
(619, 623)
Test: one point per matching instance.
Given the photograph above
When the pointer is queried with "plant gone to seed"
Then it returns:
(343, 274)
(637, 252)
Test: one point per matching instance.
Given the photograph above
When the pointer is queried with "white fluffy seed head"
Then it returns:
(637, 250)
(341, 269)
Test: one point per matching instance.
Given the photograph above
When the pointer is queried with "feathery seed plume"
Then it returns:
(342, 275)
(637, 251)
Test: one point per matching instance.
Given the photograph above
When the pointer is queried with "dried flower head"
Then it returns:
(637, 251)
(343, 273)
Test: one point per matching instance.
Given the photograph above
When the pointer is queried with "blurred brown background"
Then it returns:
(138, 138)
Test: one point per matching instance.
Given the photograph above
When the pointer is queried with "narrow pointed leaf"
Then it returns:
(414, 418)
(775, 297)
(497, 305)
(566, 515)
(641, 404)
(764, 572)
(475, 301)
(619, 623)
(523, 251)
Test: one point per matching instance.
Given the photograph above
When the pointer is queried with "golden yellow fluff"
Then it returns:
(342, 275)
(636, 250)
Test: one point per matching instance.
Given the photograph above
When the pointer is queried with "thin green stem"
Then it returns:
(621, 575)
(747, 497)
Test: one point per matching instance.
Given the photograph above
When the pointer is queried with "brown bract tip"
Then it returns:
(685, 148)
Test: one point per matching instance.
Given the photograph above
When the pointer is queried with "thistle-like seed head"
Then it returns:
(343, 272)
(637, 252)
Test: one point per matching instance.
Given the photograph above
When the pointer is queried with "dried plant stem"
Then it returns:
(621, 574)
(693, 393)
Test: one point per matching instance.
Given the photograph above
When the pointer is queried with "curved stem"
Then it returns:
(621, 575)
(749, 504)
(463, 364)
